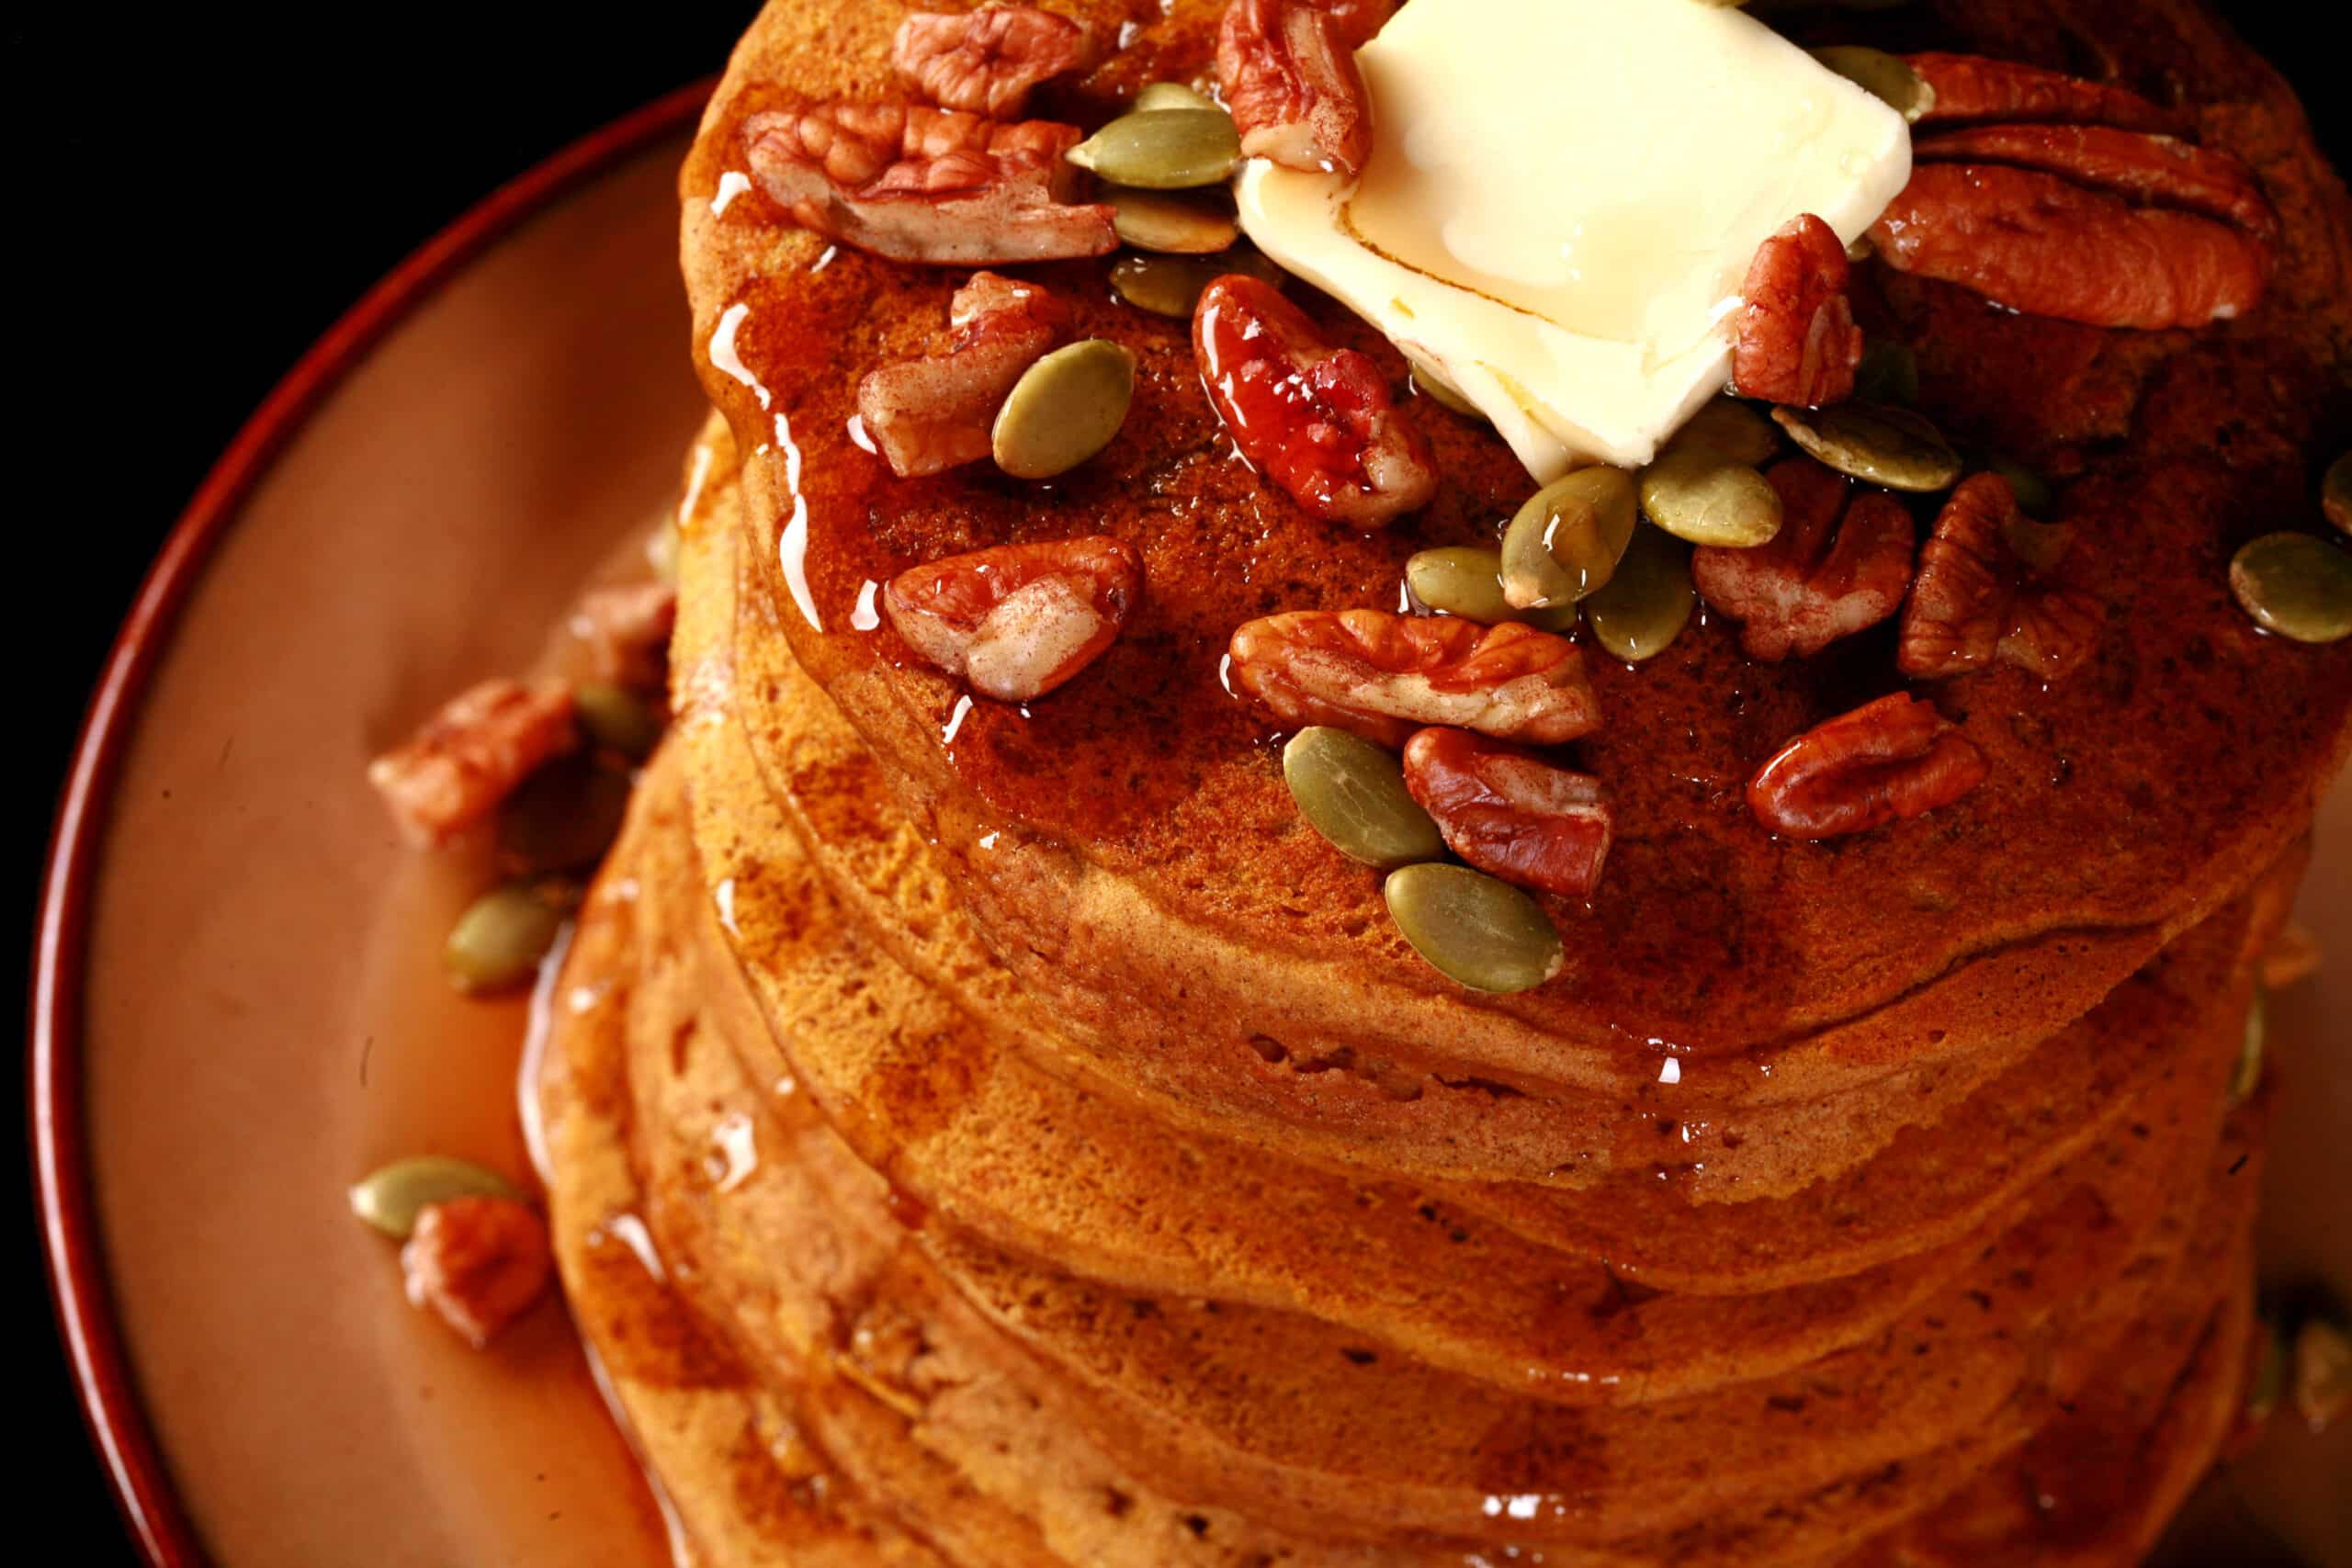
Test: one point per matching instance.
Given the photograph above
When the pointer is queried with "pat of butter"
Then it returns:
(1563, 199)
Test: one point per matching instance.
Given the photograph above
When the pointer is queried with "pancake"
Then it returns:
(1145, 862)
(714, 1210)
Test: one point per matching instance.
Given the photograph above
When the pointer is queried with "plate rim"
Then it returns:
(80, 1297)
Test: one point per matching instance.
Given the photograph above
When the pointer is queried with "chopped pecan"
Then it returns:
(1888, 760)
(1290, 78)
(470, 755)
(922, 185)
(1797, 341)
(986, 61)
(2038, 243)
(929, 414)
(1818, 579)
(479, 1262)
(1525, 821)
(1382, 676)
(1017, 620)
(1977, 599)
(1319, 420)
(2162, 170)
(1971, 89)
(627, 631)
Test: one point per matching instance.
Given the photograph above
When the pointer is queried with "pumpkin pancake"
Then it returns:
(1143, 863)
(683, 1137)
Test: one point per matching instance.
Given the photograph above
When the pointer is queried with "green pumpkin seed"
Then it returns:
(1880, 446)
(1353, 793)
(2323, 1372)
(1732, 430)
(1695, 492)
(1171, 285)
(616, 719)
(1181, 225)
(2297, 585)
(1566, 540)
(2247, 1078)
(1468, 580)
(1163, 148)
(1157, 97)
(1889, 373)
(392, 1197)
(1883, 75)
(1065, 408)
(1472, 929)
(498, 942)
(2336, 494)
(2035, 498)
(1432, 383)
(563, 818)
(2267, 1386)
(1648, 602)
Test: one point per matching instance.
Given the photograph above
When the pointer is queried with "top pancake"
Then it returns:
(1142, 857)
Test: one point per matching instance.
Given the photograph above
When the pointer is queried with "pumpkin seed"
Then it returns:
(2297, 585)
(1472, 929)
(2267, 1386)
(616, 719)
(1889, 373)
(497, 944)
(1695, 492)
(1158, 95)
(563, 818)
(1566, 540)
(1729, 428)
(2336, 494)
(2040, 546)
(1183, 225)
(2248, 1074)
(1883, 75)
(1881, 446)
(2035, 498)
(1171, 286)
(1163, 148)
(1431, 382)
(391, 1197)
(1065, 408)
(1468, 580)
(2323, 1372)
(1353, 793)
(1645, 605)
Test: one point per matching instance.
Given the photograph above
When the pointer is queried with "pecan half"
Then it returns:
(1017, 620)
(626, 630)
(2038, 243)
(1818, 579)
(1976, 600)
(469, 756)
(1797, 341)
(479, 1262)
(2162, 170)
(986, 61)
(929, 415)
(916, 183)
(1525, 821)
(1888, 760)
(1971, 89)
(1318, 420)
(1382, 676)
(1289, 73)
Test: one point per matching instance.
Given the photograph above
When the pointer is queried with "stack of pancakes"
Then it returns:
(995, 1135)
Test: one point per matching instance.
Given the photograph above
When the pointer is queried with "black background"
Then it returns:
(193, 194)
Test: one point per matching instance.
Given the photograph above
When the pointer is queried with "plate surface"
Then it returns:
(241, 1007)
